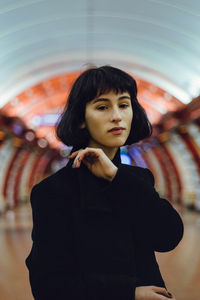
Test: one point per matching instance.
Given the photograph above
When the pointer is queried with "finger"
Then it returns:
(90, 155)
(166, 296)
(170, 295)
(171, 298)
(76, 156)
(160, 290)
(74, 153)
(88, 160)
(87, 157)
(77, 161)
(163, 297)
(88, 164)
(82, 154)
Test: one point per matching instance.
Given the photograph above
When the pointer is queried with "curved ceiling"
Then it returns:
(156, 40)
(44, 44)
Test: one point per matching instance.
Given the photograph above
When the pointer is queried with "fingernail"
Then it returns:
(74, 164)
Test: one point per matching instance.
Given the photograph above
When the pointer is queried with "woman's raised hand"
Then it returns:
(96, 161)
(152, 293)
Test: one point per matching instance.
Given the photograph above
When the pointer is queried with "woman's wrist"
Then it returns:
(112, 176)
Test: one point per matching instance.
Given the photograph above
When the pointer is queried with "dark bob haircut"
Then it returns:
(92, 83)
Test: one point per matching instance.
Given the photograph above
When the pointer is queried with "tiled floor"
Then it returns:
(180, 267)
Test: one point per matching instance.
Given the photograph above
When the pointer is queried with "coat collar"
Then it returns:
(92, 193)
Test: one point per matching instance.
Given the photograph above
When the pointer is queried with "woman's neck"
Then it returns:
(109, 151)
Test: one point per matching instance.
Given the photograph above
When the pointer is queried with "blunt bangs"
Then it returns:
(97, 81)
(104, 80)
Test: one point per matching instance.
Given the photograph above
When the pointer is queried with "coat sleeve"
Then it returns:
(52, 272)
(157, 217)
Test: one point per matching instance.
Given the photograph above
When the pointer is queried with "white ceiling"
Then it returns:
(158, 41)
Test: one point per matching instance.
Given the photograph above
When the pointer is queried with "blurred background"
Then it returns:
(44, 45)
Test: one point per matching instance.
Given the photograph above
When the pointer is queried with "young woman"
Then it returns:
(96, 221)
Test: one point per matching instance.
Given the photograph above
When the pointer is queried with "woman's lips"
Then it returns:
(117, 131)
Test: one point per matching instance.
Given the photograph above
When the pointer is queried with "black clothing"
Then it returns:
(94, 239)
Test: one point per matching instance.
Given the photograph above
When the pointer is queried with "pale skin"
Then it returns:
(101, 114)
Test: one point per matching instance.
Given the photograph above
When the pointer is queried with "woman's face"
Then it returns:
(105, 112)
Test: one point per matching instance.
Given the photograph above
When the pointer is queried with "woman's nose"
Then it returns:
(116, 115)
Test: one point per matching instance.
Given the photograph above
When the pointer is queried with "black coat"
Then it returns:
(94, 239)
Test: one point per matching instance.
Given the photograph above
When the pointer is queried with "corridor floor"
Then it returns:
(180, 267)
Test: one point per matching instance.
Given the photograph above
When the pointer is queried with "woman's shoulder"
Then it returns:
(53, 191)
(54, 182)
(141, 173)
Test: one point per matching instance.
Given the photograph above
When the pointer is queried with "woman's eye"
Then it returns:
(101, 107)
(122, 105)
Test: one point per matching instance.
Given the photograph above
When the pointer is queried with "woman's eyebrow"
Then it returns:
(107, 100)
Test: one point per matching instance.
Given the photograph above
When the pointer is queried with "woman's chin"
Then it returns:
(110, 143)
(115, 144)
